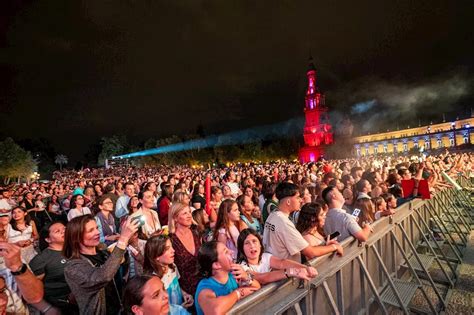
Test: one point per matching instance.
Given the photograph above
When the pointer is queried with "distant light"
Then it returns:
(468, 126)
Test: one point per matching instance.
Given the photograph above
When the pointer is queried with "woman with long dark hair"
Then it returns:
(159, 260)
(146, 294)
(90, 272)
(23, 232)
(310, 224)
(77, 207)
(265, 267)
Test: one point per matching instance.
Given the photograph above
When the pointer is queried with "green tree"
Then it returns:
(15, 162)
(110, 146)
(61, 160)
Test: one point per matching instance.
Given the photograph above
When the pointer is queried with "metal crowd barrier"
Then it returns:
(410, 262)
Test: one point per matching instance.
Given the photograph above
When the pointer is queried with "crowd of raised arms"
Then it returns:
(152, 241)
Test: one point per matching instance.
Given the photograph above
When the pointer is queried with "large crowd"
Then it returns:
(154, 240)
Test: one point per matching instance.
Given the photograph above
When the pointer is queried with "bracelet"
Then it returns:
(20, 271)
(121, 244)
(286, 274)
(47, 308)
(238, 294)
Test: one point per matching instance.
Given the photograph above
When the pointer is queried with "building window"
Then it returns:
(415, 145)
(366, 151)
(405, 147)
(451, 142)
(358, 152)
(427, 144)
(439, 143)
(385, 148)
(376, 149)
(466, 138)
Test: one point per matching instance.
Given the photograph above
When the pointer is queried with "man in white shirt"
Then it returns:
(6, 203)
(122, 202)
(280, 236)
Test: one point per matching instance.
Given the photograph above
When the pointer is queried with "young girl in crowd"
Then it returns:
(247, 207)
(146, 294)
(381, 209)
(77, 207)
(23, 232)
(390, 200)
(311, 226)
(159, 260)
(367, 211)
(264, 267)
(201, 219)
(229, 225)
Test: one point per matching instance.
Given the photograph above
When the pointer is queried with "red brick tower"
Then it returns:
(317, 130)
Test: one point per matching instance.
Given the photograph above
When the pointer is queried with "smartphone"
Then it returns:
(140, 219)
(334, 235)
(356, 212)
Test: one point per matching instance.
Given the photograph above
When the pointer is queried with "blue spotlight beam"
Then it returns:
(250, 135)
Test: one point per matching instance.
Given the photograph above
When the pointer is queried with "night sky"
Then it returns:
(73, 71)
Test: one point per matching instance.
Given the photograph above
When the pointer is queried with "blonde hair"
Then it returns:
(175, 210)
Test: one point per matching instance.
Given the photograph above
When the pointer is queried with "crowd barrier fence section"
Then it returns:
(388, 270)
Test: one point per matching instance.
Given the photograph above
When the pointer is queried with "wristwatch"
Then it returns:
(20, 271)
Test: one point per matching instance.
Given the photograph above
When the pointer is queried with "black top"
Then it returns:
(198, 199)
(51, 263)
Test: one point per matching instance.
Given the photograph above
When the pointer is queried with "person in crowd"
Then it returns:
(363, 189)
(6, 200)
(224, 282)
(98, 190)
(227, 192)
(105, 220)
(198, 200)
(271, 201)
(121, 208)
(186, 242)
(18, 283)
(159, 260)
(247, 207)
(79, 189)
(366, 213)
(231, 181)
(145, 294)
(29, 203)
(391, 201)
(89, 196)
(77, 207)
(164, 202)
(338, 220)
(110, 192)
(311, 226)
(149, 217)
(151, 186)
(228, 225)
(182, 197)
(280, 236)
(264, 267)
(203, 226)
(54, 209)
(23, 233)
(89, 272)
(49, 265)
(216, 199)
(381, 209)
(136, 252)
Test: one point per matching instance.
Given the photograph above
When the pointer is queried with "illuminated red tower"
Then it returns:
(317, 130)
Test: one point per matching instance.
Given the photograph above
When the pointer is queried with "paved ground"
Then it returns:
(462, 298)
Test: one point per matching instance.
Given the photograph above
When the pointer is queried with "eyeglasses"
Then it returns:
(107, 203)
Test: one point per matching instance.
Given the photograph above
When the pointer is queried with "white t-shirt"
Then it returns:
(262, 267)
(281, 238)
(77, 213)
